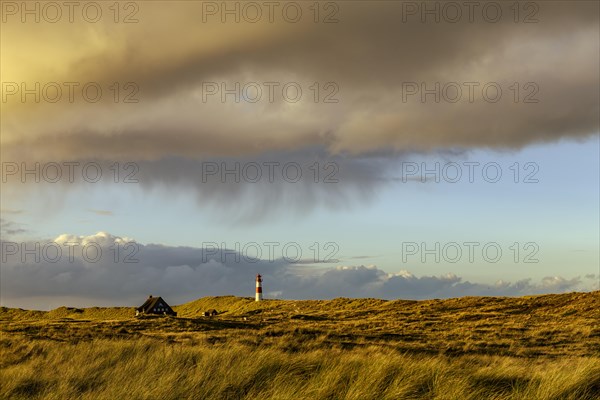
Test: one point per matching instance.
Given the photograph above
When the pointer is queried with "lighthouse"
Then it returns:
(258, 287)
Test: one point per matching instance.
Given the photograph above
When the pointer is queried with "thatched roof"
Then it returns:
(155, 305)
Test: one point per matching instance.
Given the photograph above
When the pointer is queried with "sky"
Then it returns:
(340, 149)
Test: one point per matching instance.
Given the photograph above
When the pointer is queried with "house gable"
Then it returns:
(155, 305)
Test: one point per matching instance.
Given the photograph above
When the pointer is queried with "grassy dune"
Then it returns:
(542, 347)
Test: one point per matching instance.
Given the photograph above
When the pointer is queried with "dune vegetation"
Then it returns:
(537, 347)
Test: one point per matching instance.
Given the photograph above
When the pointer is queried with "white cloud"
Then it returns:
(184, 273)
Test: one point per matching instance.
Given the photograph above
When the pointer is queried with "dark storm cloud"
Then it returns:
(248, 189)
(369, 54)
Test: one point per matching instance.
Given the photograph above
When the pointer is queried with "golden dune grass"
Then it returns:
(539, 347)
(151, 369)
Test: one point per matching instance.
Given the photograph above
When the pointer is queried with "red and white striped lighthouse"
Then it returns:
(258, 287)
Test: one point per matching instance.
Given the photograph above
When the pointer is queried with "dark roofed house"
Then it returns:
(155, 306)
(210, 313)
